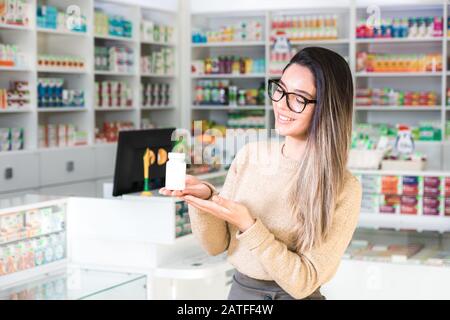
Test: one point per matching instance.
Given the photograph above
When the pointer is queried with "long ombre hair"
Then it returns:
(322, 171)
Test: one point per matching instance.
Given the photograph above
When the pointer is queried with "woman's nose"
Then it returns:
(281, 104)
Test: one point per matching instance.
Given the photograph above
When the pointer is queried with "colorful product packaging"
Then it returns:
(433, 205)
(61, 62)
(306, 27)
(411, 205)
(14, 12)
(17, 96)
(390, 203)
(412, 27)
(113, 94)
(383, 62)
(154, 32)
(49, 17)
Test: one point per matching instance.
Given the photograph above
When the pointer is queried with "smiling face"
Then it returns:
(297, 79)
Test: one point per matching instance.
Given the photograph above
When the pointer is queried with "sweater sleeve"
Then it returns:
(213, 233)
(301, 274)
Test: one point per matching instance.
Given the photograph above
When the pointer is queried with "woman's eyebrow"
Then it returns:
(296, 90)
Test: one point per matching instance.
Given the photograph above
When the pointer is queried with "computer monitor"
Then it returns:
(129, 169)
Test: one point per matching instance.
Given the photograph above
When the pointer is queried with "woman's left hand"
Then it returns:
(230, 211)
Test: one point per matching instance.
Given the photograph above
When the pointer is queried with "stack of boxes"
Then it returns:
(153, 32)
(15, 12)
(411, 195)
(16, 97)
(48, 17)
(11, 139)
(51, 93)
(61, 135)
(113, 25)
(158, 62)
(155, 94)
(110, 131)
(115, 59)
(183, 224)
(113, 94)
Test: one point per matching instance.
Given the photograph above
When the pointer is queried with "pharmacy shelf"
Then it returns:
(230, 44)
(115, 38)
(106, 109)
(396, 74)
(62, 32)
(404, 221)
(15, 27)
(25, 110)
(67, 148)
(162, 44)
(398, 108)
(158, 108)
(320, 42)
(154, 75)
(63, 109)
(229, 76)
(61, 70)
(399, 40)
(19, 69)
(430, 173)
(114, 73)
(228, 108)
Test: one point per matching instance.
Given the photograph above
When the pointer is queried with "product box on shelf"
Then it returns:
(410, 27)
(16, 97)
(113, 94)
(159, 62)
(155, 94)
(11, 139)
(12, 56)
(383, 62)
(183, 224)
(32, 237)
(51, 93)
(390, 203)
(112, 25)
(154, 32)
(306, 27)
(14, 12)
(61, 62)
(114, 59)
(49, 17)
(245, 30)
(60, 135)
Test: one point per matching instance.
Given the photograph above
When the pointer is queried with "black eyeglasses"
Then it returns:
(295, 102)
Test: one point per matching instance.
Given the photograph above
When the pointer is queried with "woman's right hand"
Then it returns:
(194, 187)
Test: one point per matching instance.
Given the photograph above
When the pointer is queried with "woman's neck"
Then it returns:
(294, 147)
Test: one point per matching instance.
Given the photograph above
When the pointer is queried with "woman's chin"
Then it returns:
(282, 129)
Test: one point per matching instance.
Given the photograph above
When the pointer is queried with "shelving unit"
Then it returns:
(347, 44)
(94, 162)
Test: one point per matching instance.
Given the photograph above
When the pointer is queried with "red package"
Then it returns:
(408, 209)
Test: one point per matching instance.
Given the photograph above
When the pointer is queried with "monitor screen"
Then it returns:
(129, 169)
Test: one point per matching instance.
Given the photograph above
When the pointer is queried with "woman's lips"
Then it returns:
(284, 119)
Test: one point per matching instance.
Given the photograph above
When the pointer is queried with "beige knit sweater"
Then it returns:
(258, 178)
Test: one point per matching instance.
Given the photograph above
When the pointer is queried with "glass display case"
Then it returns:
(400, 246)
(32, 233)
(77, 283)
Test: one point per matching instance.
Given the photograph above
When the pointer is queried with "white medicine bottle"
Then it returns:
(176, 171)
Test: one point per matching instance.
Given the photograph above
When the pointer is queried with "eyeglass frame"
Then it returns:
(286, 93)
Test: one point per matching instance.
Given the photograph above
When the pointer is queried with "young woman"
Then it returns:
(287, 212)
